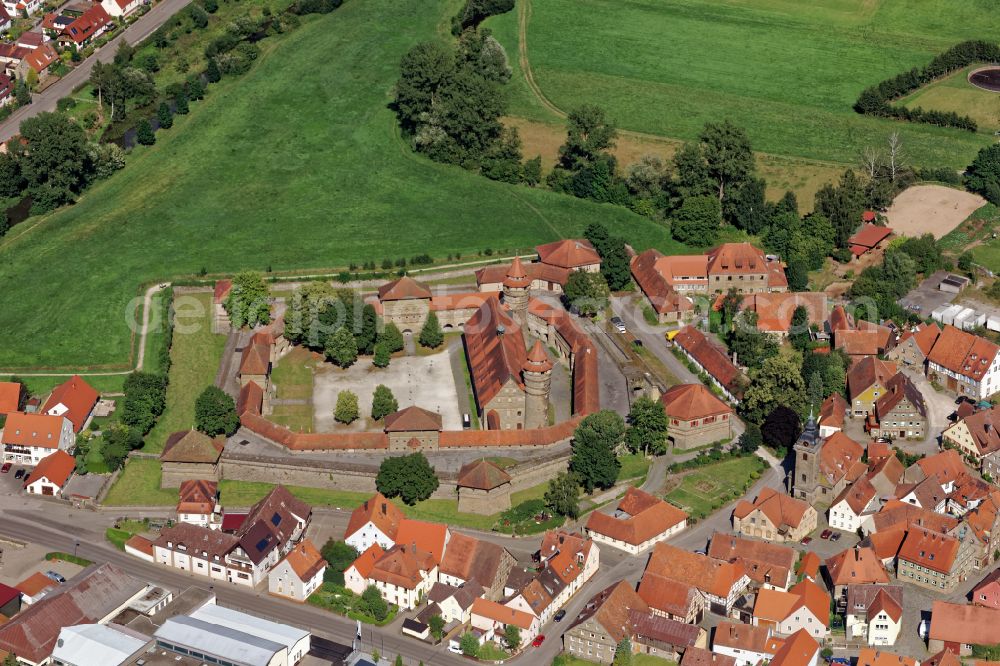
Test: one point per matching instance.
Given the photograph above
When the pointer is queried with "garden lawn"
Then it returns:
(293, 378)
(139, 485)
(634, 466)
(788, 71)
(338, 599)
(194, 360)
(705, 489)
(296, 164)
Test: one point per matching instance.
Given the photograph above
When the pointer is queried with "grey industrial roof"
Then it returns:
(283, 634)
(229, 644)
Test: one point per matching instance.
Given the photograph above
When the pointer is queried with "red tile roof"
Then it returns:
(517, 277)
(692, 401)
(983, 428)
(141, 544)
(868, 372)
(708, 574)
(963, 353)
(255, 359)
(775, 311)
(497, 273)
(197, 496)
(897, 388)
(491, 610)
(38, 430)
(932, 550)
(472, 559)
(403, 566)
(876, 657)
(655, 286)
(10, 397)
(736, 259)
(538, 359)
(77, 397)
(404, 288)
(40, 58)
(482, 475)
(856, 565)
(808, 565)
(696, 656)
(34, 584)
(496, 350)
(413, 418)
(250, 399)
(831, 412)
(781, 509)
(798, 650)
(57, 467)
(569, 253)
(428, 537)
(947, 466)
(366, 560)
(645, 517)
(869, 236)
(668, 595)
(710, 357)
(305, 560)
(964, 624)
(924, 336)
(610, 609)
(765, 563)
(745, 637)
(778, 605)
(88, 23)
(192, 446)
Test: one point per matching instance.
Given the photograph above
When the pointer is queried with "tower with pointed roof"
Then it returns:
(807, 455)
(515, 292)
(537, 371)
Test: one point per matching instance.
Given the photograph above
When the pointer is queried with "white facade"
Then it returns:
(212, 521)
(635, 549)
(452, 610)
(842, 517)
(368, 535)
(14, 8)
(232, 567)
(800, 618)
(405, 597)
(590, 566)
(32, 455)
(283, 581)
(117, 10)
(43, 486)
(354, 581)
(878, 630)
(983, 389)
(743, 657)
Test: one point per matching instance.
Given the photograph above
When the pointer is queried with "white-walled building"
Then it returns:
(639, 522)
(28, 438)
(874, 613)
(299, 574)
(857, 500)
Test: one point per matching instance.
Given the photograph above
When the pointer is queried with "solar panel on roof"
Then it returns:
(276, 519)
(262, 544)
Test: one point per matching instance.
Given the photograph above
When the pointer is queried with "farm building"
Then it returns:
(868, 238)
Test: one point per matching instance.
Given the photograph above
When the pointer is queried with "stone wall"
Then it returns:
(174, 473)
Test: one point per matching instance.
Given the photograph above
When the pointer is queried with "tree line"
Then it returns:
(876, 100)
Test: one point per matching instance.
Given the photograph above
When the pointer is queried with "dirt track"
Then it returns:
(933, 209)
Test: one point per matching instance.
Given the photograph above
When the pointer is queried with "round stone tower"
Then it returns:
(515, 292)
(537, 371)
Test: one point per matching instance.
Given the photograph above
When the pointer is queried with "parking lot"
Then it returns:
(9, 485)
(926, 296)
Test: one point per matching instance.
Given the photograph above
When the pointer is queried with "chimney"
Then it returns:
(384, 508)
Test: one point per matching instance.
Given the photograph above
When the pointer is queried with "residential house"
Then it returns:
(874, 613)
(965, 363)
(721, 582)
(492, 618)
(75, 399)
(29, 438)
(696, 416)
(356, 576)
(198, 503)
(933, 560)
(854, 566)
(949, 658)
(375, 521)
(5, 20)
(403, 575)
(41, 58)
(900, 412)
(454, 604)
(824, 467)
(120, 8)
(774, 310)
(672, 599)
(470, 560)
(915, 345)
(299, 574)
(774, 516)
(95, 596)
(957, 628)
(808, 566)
(34, 587)
(567, 561)
(87, 27)
(848, 508)
(872, 657)
(575, 254)
(712, 360)
(799, 649)
(747, 644)
(946, 467)
(603, 623)
(987, 591)
(640, 521)
(977, 434)
(896, 515)
(661, 637)
(865, 339)
(768, 565)
(15, 7)
(831, 415)
(666, 281)
(49, 477)
(10, 397)
(703, 657)
(866, 382)
(927, 494)
(806, 606)
(431, 537)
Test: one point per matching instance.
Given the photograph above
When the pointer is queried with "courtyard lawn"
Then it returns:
(195, 356)
(292, 374)
(788, 71)
(139, 485)
(634, 466)
(707, 488)
(333, 183)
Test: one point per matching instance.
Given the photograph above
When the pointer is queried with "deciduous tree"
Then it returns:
(595, 443)
(347, 407)
(776, 382)
(697, 221)
(728, 154)
(590, 134)
(563, 495)
(781, 427)
(342, 348)
(215, 412)
(373, 604)
(586, 293)
(249, 302)
(647, 427)
(983, 175)
(410, 478)
(339, 555)
(383, 402)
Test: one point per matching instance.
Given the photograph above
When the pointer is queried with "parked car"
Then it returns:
(835, 536)
(825, 534)
(5, 468)
(618, 324)
(539, 639)
(59, 578)
(807, 541)
(466, 421)
(560, 615)
(454, 647)
(19, 474)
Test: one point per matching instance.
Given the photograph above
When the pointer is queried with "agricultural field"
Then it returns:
(788, 73)
(705, 489)
(296, 164)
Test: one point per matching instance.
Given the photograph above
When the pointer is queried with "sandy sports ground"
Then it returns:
(931, 209)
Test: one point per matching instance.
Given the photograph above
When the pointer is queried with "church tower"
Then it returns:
(806, 477)
(537, 383)
(515, 292)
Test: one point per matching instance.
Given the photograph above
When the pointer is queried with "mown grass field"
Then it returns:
(707, 488)
(787, 71)
(297, 164)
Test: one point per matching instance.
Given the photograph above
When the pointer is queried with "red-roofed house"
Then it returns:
(198, 503)
(874, 613)
(640, 521)
(572, 253)
(119, 8)
(41, 58)
(87, 27)
(356, 575)
(804, 607)
(5, 20)
(915, 344)
(958, 627)
(712, 360)
(10, 397)
(721, 582)
(965, 363)
(375, 521)
(299, 574)
(49, 476)
(831, 415)
(933, 560)
(800, 649)
(75, 399)
(774, 516)
(696, 416)
(868, 238)
(775, 310)
(29, 438)
(491, 618)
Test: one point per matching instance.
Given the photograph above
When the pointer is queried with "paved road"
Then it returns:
(46, 100)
